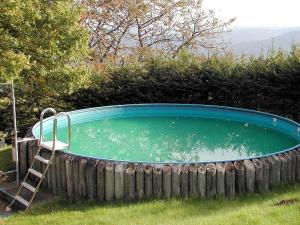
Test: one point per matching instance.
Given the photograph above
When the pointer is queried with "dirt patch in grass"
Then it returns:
(286, 202)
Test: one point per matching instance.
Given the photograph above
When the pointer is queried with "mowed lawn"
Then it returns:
(255, 209)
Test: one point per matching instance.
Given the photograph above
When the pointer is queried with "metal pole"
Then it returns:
(15, 133)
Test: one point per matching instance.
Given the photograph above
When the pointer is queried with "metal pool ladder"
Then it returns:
(49, 145)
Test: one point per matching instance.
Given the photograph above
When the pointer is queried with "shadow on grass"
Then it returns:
(200, 207)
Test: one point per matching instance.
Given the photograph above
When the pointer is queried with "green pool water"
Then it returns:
(173, 139)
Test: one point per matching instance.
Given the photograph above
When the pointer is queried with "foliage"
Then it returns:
(133, 27)
(267, 84)
(42, 45)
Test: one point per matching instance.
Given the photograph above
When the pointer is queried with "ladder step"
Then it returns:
(36, 173)
(22, 200)
(43, 160)
(28, 187)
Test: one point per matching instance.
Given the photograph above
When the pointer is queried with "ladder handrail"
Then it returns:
(69, 125)
(54, 123)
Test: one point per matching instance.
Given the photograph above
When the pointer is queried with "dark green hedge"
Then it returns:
(266, 84)
(270, 85)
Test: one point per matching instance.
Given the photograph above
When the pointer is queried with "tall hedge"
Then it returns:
(266, 84)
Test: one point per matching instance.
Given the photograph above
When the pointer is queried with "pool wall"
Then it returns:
(81, 178)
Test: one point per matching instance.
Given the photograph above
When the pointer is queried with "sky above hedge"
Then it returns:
(258, 13)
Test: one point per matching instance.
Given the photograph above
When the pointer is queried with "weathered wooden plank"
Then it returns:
(49, 171)
(250, 176)
(75, 174)
(202, 180)
(211, 180)
(240, 178)
(265, 175)
(272, 171)
(109, 182)
(298, 165)
(23, 159)
(119, 181)
(148, 181)
(140, 181)
(288, 168)
(100, 169)
(157, 182)
(184, 182)
(130, 182)
(176, 172)
(193, 181)
(45, 180)
(283, 169)
(69, 178)
(293, 165)
(258, 175)
(229, 179)
(82, 179)
(167, 181)
(58, 172)
(63, 171)
(91, 179)
(220, 179)
(277, 171)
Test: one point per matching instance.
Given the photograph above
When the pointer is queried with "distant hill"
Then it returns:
(254, 41)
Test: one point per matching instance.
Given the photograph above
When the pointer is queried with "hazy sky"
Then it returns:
(258, 13)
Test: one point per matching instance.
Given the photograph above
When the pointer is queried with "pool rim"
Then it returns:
(229, 108)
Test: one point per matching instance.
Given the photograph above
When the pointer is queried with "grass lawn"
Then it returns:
(255, 209)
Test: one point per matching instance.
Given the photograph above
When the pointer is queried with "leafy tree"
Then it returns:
(123, 27)
(42, 45)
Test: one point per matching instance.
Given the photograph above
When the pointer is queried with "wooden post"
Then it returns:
(272, 171)
(193, 181)
(58, 172)
(288, 168)
(167, 181)
(293, 166)
(283, 168)
(91, 178)
(23, 159)
(140, 181)
(220, 179)
(250, 176)
(45, 180)
(202, 180)
(148, 181)
(211, 180)
(157, 182)
(75, 173)
(69, 179)
(100, 170)
(176, 171)
(63, 172)
(82, 179)
(258, 175)
(229, 179)
(298, 165)
(119, 181)
(130, 182)
(184, 181)
(240, 177)
(265, 175)
(49, 171)
(109, 182)
(278, 166)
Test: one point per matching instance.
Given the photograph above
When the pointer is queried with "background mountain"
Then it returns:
(256, 41)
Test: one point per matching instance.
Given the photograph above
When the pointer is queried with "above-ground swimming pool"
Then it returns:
(171, 133)
(168, 150)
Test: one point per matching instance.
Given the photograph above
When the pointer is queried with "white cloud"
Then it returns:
(258, 13)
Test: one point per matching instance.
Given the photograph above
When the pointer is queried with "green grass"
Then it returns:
(255, 209)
